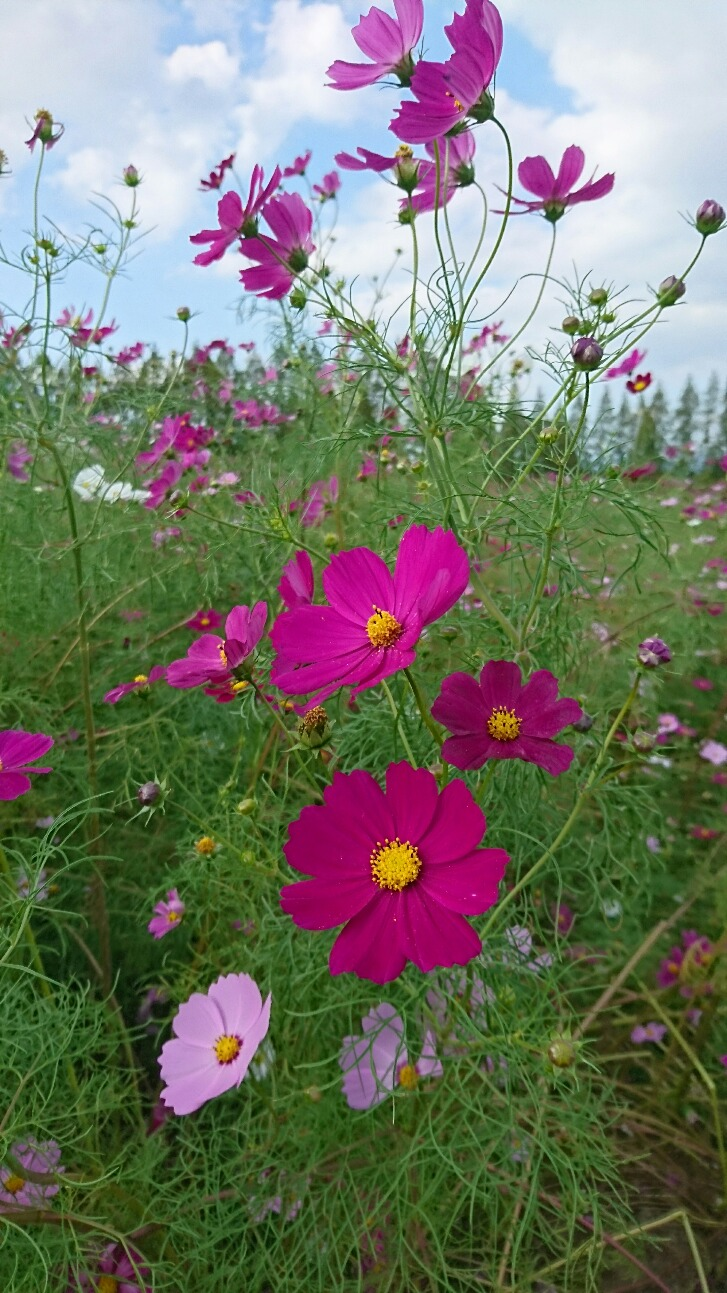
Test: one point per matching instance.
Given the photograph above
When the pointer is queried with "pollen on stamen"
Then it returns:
(227, 1048)
(395, 864)
(13, 1184)
(503, 724)
(383, 629)
(139, 678)
(408, 1077)
(223, 657)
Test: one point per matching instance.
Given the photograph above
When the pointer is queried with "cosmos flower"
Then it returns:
(17, 459)
(202, 620)
(375, 1064)
(216, 1035)
(649, 1033)
(555, 193)
(46, 131)
(168, 915)
(445, 94)
(499, 718)
(139, 685)
(119, 1269)
(217, 175)
(373, 621)
(298, 166)
(18, 749)
(387, 41)
(218, 661)
(641, 382)
(236, 221)
(714, 752)
(35, 1156)
(627, 365)
(400, 869)
(297, 584)
(280, 258)
(328, 187)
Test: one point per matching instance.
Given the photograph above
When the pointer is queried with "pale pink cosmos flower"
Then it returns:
(648, 1033)
(216, 1036)
(35, 1156)
(714, 752)
(168, 915)
(388, 42)
(377, 1063)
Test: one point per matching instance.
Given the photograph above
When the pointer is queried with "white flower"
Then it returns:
(91, 483)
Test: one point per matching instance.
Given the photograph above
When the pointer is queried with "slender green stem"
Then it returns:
(434, 731)
(397, 720)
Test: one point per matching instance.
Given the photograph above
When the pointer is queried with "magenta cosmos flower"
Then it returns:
(280, 258)
(219, 661)
(202, 620)
(217, 176)
(140, 685)
(167, 915)
(401, 868)
(387, 41)
(499, 718)
(216, 1035)
(17, 750)
(298, 581)
(627, 365)
(119, 1269)
(34, 1156)
(236, 221)
(375, 1064)
(556, 192)
(373, 621)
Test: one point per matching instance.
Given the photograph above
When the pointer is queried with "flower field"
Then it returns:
(363, 749)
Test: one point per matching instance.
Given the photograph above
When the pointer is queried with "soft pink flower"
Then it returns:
(18, 749)
(298, 581)
(119, 1270)
(216, 1036)
(37, 1156)
(17, 459)
(499, 718)
(375, 1064)
(373, 621)
(281, 258)
(555, 193)
(649, 1033)
(168, 915)
(221, 661)
(400, 869)
(387, 41)
(714, 752)
(236, 221)
(139, 684)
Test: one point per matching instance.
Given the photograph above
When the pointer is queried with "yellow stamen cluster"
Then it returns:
(13, 1184)
(140, 678)
(223, 657)
(395, 865)
(408, 1077)
(107, 1284)
(383, 629)
(314, 718)
(503, 724)
(172, 916)
(240, 686)
(227, 1048)
(205, 846)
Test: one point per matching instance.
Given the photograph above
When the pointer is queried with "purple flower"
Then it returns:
(236, 221)
(375, 1064)
(35, 1156)
(118, 1270)
(653, 652)
(17, 750)
(298, 581)
(168, 915)
(556, 192)
(627, 365)
(649, 1033)
(18, 457)
(710, 217)
(714, 752)
(496, 717)
(279, 259)
(387, 41)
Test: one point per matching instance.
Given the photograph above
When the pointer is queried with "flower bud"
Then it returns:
(4, 168)
(183, 313)
(710, 217)
(652, 652)
(298, 298)
(562, 1053)
(149, 793)
(598, 296)
(314, 1094)
(314, 728)
(549, 435)
(643, 741)
(571, 324)
(608, 317)
(246, 807)
(670, 290)
(330, 540)
(586, 353)
(131, 177)
(583, 724)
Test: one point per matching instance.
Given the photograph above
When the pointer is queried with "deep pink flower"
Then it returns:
(216, 1036)
(373, 621)
(321, 494)
(140, 684)
(499, 718)
(129, 354)
(17, 459)
(686, 963)
(46, 131)
(119, 1270)
(163, 488)
(280, 258)
(217, 176)
(328, 187)
(17, 750)
(236, 221)
(563, 918)
(168, 915)
(375, 1064)
(298, 581)
(456, 170)
(640, 383)
(704, 833)
(298, 166)
(210, 619)
(37, 1156)
(219, 661)
(556, 192)
(627, 365)
(387, 41)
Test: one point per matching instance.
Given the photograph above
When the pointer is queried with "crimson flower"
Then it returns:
(499, 718)
(556, 192)
(373, 621)
(387, 41)
(236, 221)
(17, 750)
(641, 382)
(279, 259)
(399, 868)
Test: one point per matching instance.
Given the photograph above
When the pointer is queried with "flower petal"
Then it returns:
(412, 799)
(470, 885)
(370, 945)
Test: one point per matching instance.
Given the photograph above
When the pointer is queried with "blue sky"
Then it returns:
(174, 85)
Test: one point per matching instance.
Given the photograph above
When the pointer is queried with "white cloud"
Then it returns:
(212, 64)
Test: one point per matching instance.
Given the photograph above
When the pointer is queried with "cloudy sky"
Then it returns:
(174, 85)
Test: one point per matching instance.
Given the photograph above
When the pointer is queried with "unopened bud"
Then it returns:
(670, 290)
(549, 435)
(131, 177)
(586, 353)
(562, 1053)
(149, 793)
(608, 317)
(583, 724)
(314, 1094)
(183, 313)
(571, 324)
(598, 296)
(710, 217)
(652, 652)
(246, 807)
(314, 728)
(298, 299)
(643, 741)
(330, 540)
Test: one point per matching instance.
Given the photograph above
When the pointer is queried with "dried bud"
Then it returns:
(149, 793)
(670, 290)
(710, 217)
(652, 652)
(598, 296)
(184, 313)
(131, 177)
(583, 724)
(643, 741)
(571, 325)
(586, 353)
(562, 1053)
(314, 728)
(313, 1093)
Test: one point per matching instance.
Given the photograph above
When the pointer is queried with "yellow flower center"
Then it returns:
(13, 1184)
(227, 1048)
(404, 153)
(395, 865)
(408, 1077)
(205, 845)
(204, 621)
(240, 686)
(672, 967)
(383, 629)
(223, 657)
(107, 1284)
(139, 678)
(503, 724)
(172, 916)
